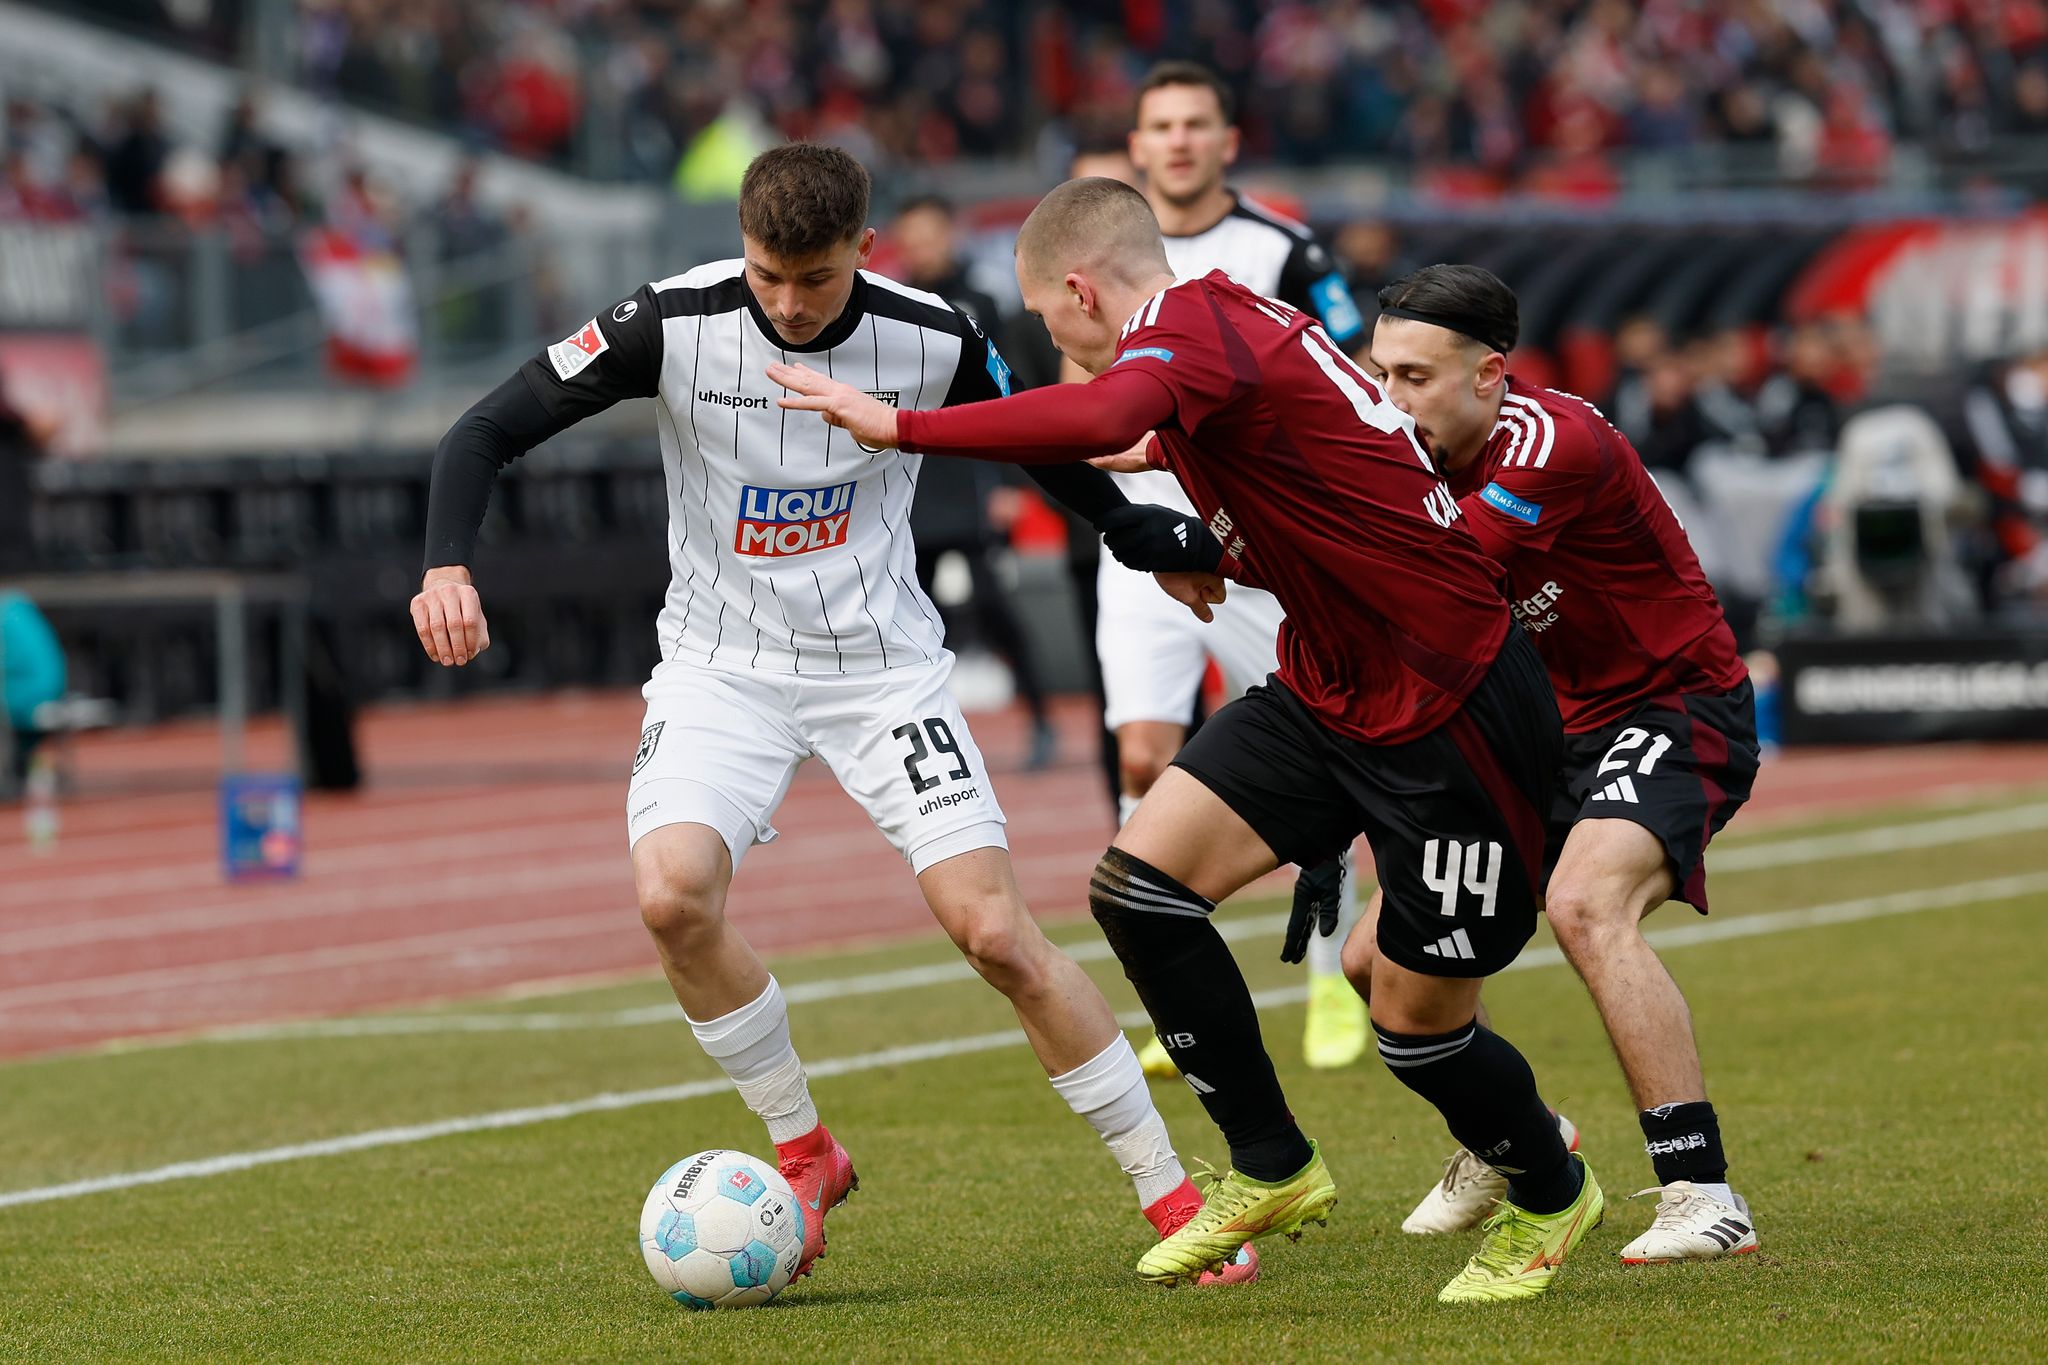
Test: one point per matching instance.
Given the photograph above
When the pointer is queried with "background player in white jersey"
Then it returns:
(1153, 651)
(794, 627)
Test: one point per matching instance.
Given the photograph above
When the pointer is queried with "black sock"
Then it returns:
(1684, 1143)
(1192, 988)
(1487, 1095)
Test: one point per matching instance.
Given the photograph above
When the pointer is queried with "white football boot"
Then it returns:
(1691, 1225)
(1466, 1196)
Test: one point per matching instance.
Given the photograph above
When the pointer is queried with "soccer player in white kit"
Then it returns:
(794, 627)
(1153, 651)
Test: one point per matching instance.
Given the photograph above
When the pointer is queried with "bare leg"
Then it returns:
(1361, 950)
(681, 873)
(976, 900)
(1613, 873)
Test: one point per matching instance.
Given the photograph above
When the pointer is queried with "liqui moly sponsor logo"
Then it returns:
(792, 521)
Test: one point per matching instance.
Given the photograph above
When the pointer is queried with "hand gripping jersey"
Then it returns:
(789, 546)
(1602, 575)
(1312, 480)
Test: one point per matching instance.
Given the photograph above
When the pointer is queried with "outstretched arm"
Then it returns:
(1063, 424)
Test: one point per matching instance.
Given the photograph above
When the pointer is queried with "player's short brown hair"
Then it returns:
(803, 198)
(1091, 224)
(1166, 74)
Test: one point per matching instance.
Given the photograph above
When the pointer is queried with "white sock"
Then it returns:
(1126, 804)
(1721, 1192)
(1326, 955)
(752, 1044)
(1109, 1091)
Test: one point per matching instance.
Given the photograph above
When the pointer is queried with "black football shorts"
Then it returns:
(1455, 818)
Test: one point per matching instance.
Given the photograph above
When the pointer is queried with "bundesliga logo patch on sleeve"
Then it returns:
(1143, 353)
(573, 355)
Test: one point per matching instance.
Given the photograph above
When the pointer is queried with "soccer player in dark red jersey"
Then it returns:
(1406, 707)
(1660, 722)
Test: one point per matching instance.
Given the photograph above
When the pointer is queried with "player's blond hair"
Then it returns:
(1094, 226)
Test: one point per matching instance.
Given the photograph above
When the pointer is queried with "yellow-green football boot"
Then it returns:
(1237, 1209)
(1522, 1250)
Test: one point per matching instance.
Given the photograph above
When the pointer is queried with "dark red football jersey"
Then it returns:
(1601, 572)
(1320, 494)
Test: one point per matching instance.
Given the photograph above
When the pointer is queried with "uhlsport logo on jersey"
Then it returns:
(792, 521)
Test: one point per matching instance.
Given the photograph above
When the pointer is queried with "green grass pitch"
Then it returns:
(1882, 1077)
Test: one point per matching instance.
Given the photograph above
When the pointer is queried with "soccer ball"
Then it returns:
(721, 1230)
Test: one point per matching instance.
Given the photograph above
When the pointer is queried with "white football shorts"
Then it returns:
(719, 747)
(1154, 651)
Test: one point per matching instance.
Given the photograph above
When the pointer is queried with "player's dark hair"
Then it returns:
(1187, 73)
(803, 198)
(1465, 298)
(936, 203)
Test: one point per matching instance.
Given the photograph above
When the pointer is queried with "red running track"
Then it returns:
(487, 850)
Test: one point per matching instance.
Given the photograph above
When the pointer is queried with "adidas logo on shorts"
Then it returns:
(1454, 944)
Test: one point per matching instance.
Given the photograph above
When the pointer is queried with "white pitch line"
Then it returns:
(1953, 829)
(801, 992)
(1738, 858)
(1748, 926)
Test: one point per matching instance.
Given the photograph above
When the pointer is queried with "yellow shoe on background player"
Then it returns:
(1338, 1029)
(1156, 1061)
(1522, 1251)
(1236, 1210)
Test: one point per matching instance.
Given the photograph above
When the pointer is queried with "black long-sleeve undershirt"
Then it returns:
(500, 427)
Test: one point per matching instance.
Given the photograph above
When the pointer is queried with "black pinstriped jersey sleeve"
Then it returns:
(982, 373)
(615, 355)
(1313, 282)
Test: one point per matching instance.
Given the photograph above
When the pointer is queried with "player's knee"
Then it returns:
(681, 896)
(1004, 945)
(1140, 766)
(1588, 916)
(1359, 951)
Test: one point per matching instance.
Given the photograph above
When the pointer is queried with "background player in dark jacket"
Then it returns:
(1660, 722)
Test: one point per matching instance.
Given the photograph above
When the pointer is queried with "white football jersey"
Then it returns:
(789, 543)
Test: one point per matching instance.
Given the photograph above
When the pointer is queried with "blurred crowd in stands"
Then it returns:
(1485, 93)
(1537, 92)
(63, 164)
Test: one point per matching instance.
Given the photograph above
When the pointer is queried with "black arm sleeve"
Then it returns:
(503, 425)
(1082, 489)
(614, 356)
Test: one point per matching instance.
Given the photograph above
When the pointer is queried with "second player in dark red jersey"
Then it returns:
(1406, 707)
(1603, 577)
(1661, 748)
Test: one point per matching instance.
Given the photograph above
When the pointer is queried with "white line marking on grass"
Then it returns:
(1739, 857)
(1748, 926)
(1954, 829)
(830, 988)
